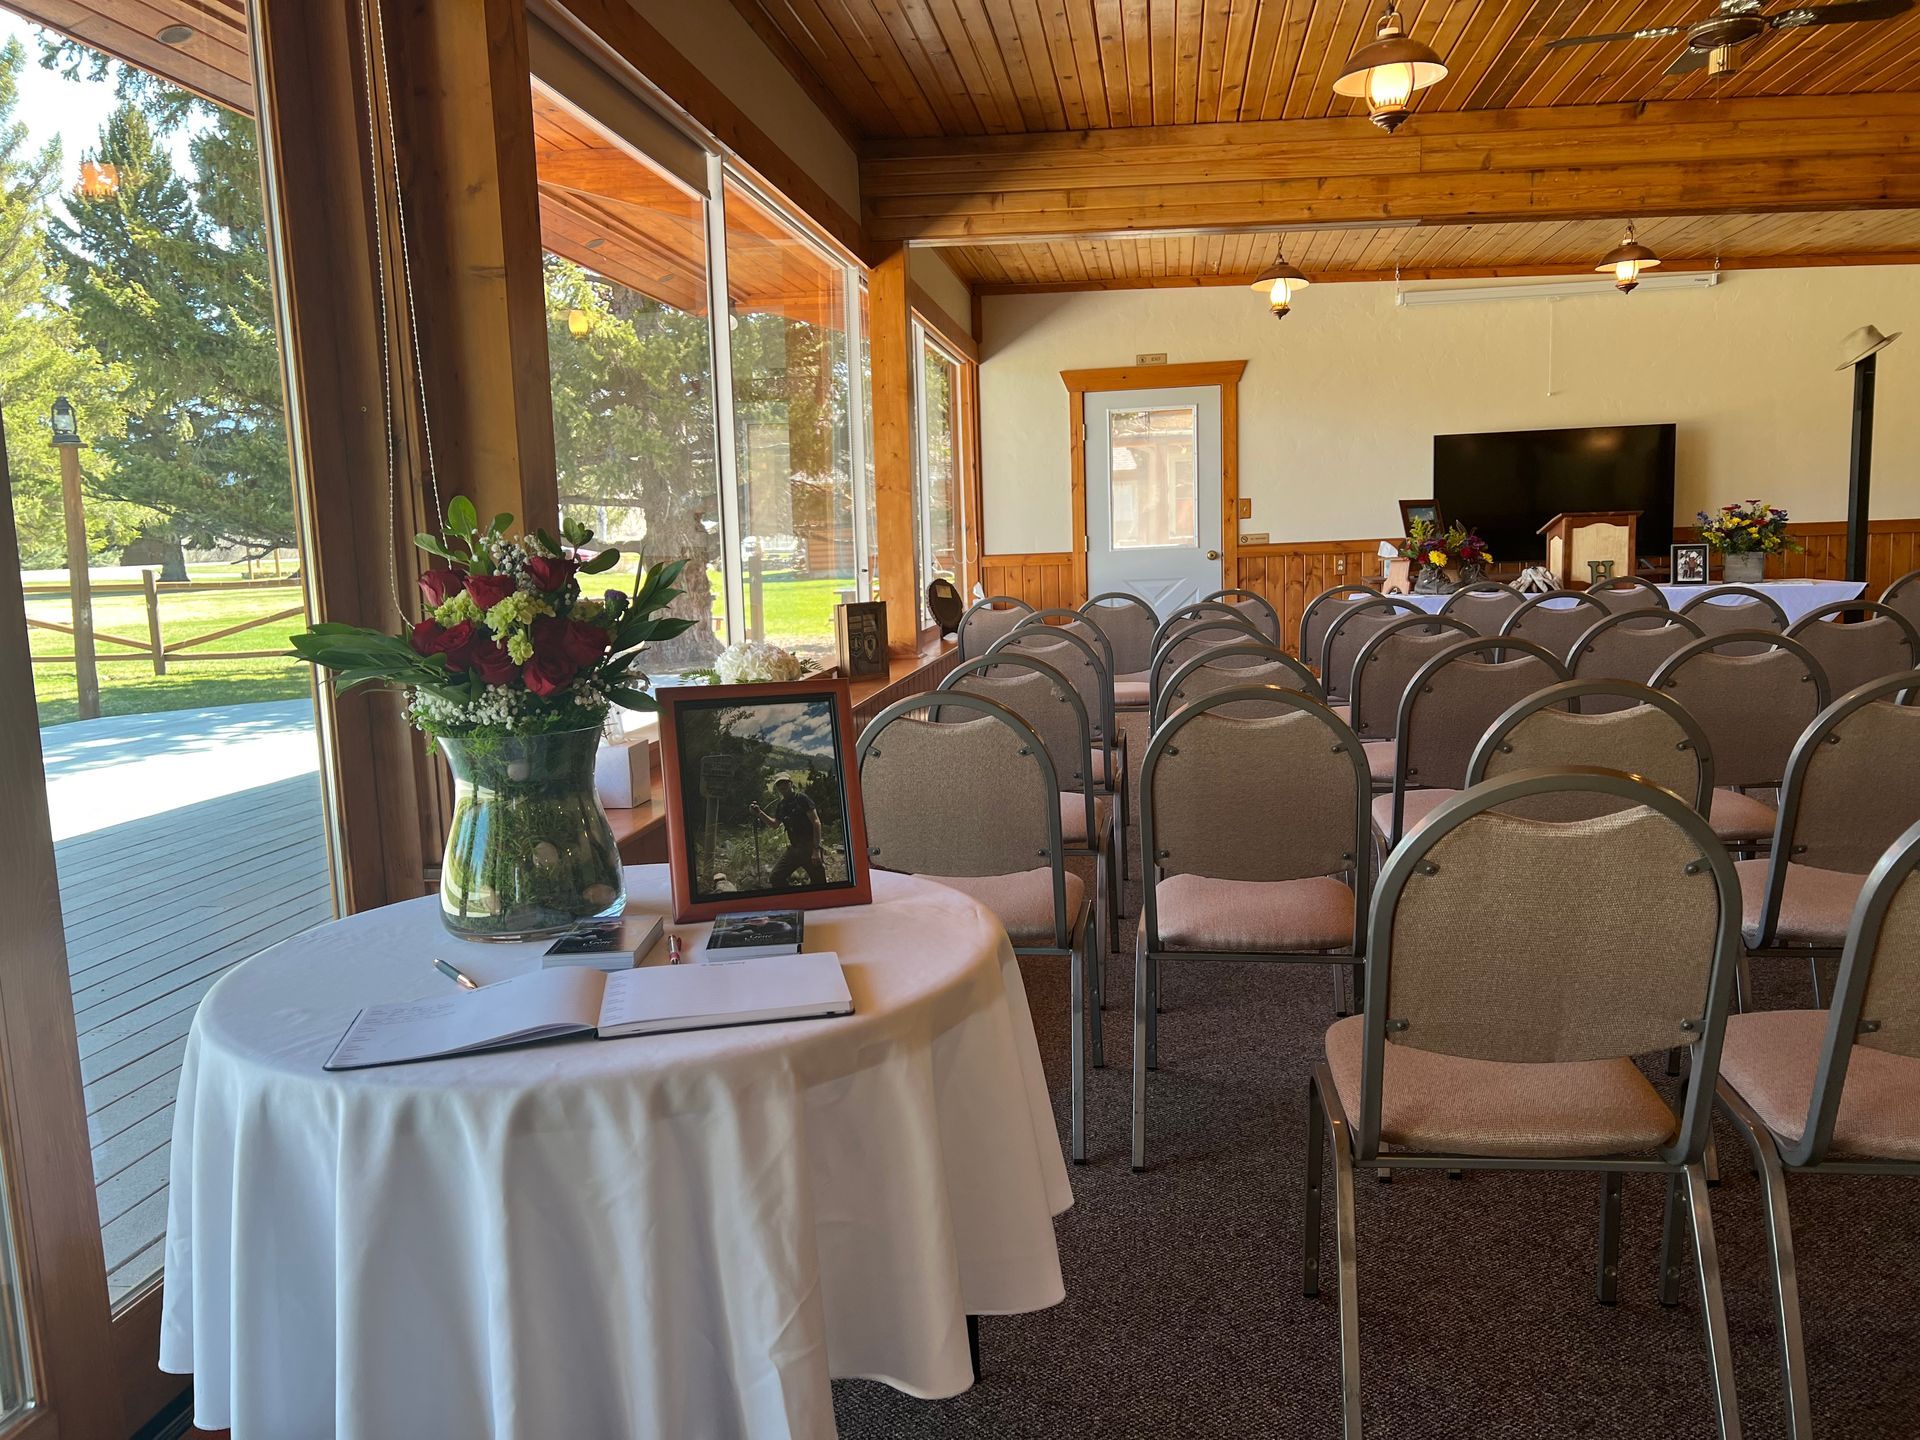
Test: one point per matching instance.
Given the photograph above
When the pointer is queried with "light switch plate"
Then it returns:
(1246, 509)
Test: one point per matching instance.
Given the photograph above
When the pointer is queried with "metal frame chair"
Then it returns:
(1451, 1018)
(1375, 667)
(1249, 600)
(1490, 761)
(1561, 637)
(1705, 611)
(1460, 603)
(1621, 621)
(1262, 661)
(1149, 949)
(1629, 585)
(1130, 660)
(1334, 683)
(1845, 651)
(1201, 612)
(991, 605)
(1071, 934)
(1177, 650)
(1863, 1018)
(1904, 595)
(1311, 639)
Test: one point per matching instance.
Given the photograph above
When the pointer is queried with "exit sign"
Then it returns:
(1159, 359)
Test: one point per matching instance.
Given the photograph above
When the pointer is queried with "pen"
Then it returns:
(455, 974)
(673, 949)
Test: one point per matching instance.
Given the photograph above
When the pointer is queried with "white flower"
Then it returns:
(754, 662)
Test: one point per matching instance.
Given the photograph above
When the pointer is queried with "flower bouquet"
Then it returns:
(1745, 535)
(1444, 559)
(512, 671)
(754, 662)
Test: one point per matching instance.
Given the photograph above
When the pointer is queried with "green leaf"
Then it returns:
(548, 545)
(631, 698)
(605, 560)
(462, 518)
(433, 546)
(502, 523)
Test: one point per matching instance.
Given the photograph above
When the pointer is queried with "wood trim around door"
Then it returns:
(1224, 373)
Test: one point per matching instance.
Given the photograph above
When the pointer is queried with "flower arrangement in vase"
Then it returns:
(512, 670)
(1745, 535)
(754, 662)
(1444, 559)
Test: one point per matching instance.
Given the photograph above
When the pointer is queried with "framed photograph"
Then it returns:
(1689, 565)
(763, 798)
(860, 638)
(1412, 510)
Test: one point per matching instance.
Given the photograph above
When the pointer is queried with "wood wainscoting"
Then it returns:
(1044, 579)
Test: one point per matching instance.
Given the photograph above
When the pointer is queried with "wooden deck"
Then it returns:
(157, 909)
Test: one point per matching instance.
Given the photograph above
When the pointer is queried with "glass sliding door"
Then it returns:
(939, 506)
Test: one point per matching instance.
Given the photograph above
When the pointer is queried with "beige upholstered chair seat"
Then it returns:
(1283, 916)
(1380, 755)
(1131, 692)
(1132, 677)
(1344, 711)
(1771, 1058)
(1418, 805)
(1073, 816)
(1453, 1105)
(1815, 905)
(1023, 901)
(1737, 817)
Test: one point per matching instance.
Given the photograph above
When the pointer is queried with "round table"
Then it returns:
(677, 1236)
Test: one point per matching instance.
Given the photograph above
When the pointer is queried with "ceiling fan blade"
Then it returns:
(1660, 33)
(1843, 13)
(1688, 61)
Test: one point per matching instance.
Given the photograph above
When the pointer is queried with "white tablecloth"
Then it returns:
(677, 1236)
(1796, 597)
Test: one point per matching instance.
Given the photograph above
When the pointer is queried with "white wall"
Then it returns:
(716, 38)
(1341, 400)
(931, 273)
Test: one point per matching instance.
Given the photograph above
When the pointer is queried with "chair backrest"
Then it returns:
(1321, 612)
(1211, 785)
(1385, 664)
(1639, 731)
(1556, 619)
(1904, 595)
(1628, 593)
(1497, 937)
(1448, 705)
(1853, 782)
(1883, 642)
(1129, 623)
(1876, 997)
(1041, 696)
(1227, 666)
(1195, 640)
(976, 797)
(1255, 607)
(1203, 612)
(1727, 608)
(1754, 694)
(1625, 646)
(1069, 651)
(986, 621)
(1484, 605)
(1350, 629)
(1077, 623)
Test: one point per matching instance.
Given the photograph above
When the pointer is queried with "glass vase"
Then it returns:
(530, 853)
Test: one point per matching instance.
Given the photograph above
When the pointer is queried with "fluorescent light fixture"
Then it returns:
(1551, 290)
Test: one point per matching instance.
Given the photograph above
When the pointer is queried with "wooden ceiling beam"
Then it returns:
(1671, 158)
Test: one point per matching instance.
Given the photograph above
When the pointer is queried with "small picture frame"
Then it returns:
(860, 638)
(946, 604)
(1689, 565)
(763, 798)
(1412, 510)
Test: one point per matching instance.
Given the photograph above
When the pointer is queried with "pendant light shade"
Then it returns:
(1279, 284)
(1626, 260)
(1386, 73)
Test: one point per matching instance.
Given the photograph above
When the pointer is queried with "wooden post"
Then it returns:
(891, 335)
(153, 622)
(79, 586)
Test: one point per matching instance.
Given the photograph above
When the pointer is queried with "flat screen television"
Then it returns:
(1507, 484)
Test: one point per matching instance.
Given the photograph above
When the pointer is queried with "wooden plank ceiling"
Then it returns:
(213, 61)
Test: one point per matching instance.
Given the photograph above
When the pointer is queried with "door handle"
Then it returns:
(1213, 554)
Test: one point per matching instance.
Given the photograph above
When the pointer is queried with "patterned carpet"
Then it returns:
(1184, 1315)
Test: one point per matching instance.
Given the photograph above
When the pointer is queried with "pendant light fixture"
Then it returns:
(1626, 260)
(1278, 284)
(1386, 73)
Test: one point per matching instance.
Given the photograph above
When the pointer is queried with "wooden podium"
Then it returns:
(1574, 538)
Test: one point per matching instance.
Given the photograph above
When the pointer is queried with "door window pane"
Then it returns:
(1152, 478)
(630, 349)
(787, 323)
(939, 498)
(179, 741)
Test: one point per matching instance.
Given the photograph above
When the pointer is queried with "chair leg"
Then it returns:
(1140, 1003)
(1813, 966)
(1786, 1283)
(1076, 1043)
(1310, 1211)
(1337, 973)
(1153, 1013)
(1095, 945)
(1348, 1265)
(1742, 986)
(1606, 1279)
(1706, 1259)
(1670, 1242)
(973, 1344)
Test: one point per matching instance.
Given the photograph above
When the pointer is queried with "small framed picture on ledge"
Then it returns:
(1416, 510)
(1689, 565)
(763, 798)
(860, 638)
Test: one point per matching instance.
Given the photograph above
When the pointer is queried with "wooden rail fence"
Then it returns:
(155, 650)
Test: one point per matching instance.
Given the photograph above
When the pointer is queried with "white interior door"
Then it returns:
(1153, 493)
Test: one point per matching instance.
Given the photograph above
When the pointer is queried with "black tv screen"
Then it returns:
(1509, 483)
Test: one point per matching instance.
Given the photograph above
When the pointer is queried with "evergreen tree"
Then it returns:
(41, 357)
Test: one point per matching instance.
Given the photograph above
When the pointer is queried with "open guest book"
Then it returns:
(551, 1004)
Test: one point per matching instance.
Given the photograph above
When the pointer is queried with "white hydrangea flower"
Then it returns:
(755, 662)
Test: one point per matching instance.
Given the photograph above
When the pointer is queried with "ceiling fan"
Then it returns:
(1713, 43)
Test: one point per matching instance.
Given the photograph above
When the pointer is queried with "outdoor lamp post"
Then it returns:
(66, 439)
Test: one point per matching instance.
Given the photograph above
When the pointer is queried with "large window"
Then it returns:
(938, 502)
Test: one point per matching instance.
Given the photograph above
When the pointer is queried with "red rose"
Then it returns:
(457, 645)
(492, 663)
(489, 590)
(426, 637)
(574, 641)
(439, 584)
(548, 573)
(548, 674)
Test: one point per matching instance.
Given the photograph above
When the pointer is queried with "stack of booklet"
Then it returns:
(549, 1004)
